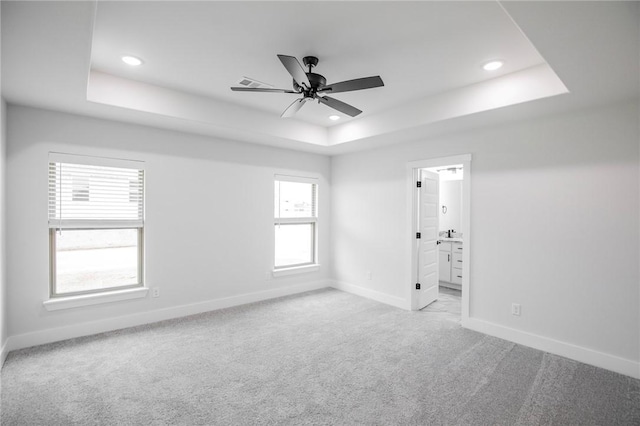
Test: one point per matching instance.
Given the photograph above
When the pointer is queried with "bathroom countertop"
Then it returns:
(451, 240)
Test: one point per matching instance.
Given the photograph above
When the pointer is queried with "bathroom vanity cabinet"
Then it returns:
(450, 263)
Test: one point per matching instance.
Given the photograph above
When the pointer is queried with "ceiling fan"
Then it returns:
(311, 86)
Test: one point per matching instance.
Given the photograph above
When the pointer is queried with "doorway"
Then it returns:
(446, 235)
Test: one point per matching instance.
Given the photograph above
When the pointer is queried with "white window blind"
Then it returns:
(86, 196)
(295, 198)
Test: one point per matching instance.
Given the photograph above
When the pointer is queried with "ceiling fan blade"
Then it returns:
(258, 89)
(295, 69)
(339, 105)
(293, 108)
(351, 85)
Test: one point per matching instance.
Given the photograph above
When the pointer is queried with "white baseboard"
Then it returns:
(398, 302)
(94, 327)
(4, 351)
(578, 353)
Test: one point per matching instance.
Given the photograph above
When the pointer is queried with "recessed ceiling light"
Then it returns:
(492, 65)
(334, 117)
(132, 60)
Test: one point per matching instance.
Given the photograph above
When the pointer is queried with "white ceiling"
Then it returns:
(419, 48)
(65, 56)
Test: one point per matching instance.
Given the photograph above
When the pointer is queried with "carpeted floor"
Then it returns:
(324, 357)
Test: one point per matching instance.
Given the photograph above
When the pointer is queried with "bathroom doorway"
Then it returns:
(451, 245)
(450, 242)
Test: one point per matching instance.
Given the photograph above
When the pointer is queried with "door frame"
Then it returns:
(413, 173)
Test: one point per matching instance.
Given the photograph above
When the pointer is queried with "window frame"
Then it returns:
(53, 263)
(56, 225)
(308, 220)
(312, 248)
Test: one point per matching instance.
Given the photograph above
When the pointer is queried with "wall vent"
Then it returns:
(252, 83)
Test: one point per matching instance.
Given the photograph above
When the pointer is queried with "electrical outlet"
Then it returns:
(155, 292)
(515, 309)
(369, 275)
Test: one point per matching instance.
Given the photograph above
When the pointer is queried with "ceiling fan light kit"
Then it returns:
(311, 86)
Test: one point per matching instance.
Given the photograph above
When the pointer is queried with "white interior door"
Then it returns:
(428, 241)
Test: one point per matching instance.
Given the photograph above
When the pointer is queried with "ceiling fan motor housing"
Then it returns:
(317, 81)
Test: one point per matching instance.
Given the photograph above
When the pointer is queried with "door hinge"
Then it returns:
(417, 235)
(418, 184)
(417, 286)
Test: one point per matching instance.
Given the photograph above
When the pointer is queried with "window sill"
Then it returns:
(58, 303)
(295, 270)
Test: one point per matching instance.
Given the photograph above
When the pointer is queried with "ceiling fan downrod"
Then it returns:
(310, 61)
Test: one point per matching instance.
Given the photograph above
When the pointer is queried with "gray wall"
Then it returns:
(3, 243)
(554, 226)
(3, 280)
(208, 229)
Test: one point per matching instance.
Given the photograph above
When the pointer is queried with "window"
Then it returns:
(96, 224)
(296, 221)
